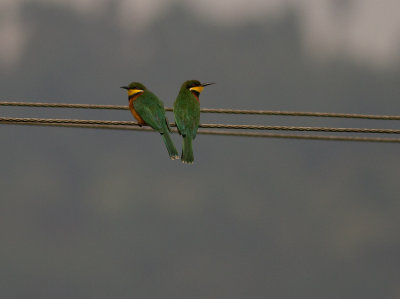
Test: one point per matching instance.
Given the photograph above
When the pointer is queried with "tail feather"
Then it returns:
(173, 153)
(187, 150)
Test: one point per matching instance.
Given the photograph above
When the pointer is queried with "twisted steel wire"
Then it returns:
(209, 110)
(122, 125)
(64, 105)
(206, 126)
(296, 128)
(223, 133)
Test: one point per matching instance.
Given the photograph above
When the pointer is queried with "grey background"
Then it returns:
(106, 214)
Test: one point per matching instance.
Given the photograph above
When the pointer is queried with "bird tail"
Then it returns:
(173, 153)
(187, 150)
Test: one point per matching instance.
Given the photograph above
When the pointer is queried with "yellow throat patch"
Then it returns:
(132, 92)
(199, 89)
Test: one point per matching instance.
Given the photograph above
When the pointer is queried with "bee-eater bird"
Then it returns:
(187, 115)
(149, 110)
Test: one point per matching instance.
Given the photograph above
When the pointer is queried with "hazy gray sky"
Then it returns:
(368, 30)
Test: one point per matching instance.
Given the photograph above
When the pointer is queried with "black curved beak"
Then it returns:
(125, 87)
(206, 84)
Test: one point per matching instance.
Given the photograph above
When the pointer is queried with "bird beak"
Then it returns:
(206, 84)
(125, 87)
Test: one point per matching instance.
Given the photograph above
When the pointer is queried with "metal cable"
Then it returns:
(211, 132)
(306, 137)
(209, 110)
(208, 126)
(306, 129)
(298, 113)
(64, 105)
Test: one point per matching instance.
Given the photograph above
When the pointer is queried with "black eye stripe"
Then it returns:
(196, 93)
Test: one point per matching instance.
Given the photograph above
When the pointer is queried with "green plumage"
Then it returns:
(152, 111)
(187, 117)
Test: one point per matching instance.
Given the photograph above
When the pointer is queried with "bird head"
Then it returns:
(134, 88)
(195, 86)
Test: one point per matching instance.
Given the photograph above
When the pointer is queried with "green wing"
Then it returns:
(187, 115)
(151, 109)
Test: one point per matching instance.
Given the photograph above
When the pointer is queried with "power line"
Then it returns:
(130, 125)
(299, 113)
(5, 120)
(64, 105)
(209, 110)
(306, 137)
(124, 126)
(306, 129)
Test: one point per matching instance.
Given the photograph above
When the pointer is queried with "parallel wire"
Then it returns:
(130, 125)
(208, 126)
(201, 131)
(210, 110)
(64, 105)
(306, 129)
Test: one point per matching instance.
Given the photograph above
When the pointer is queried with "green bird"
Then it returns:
(187, 115)
(149, 110)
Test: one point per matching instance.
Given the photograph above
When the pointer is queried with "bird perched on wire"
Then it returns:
(187, 115)
(149, 110)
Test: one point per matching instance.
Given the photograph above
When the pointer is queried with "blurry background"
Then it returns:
(105, 214)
